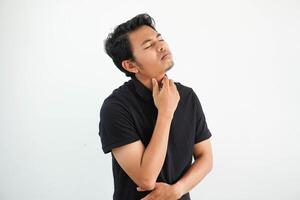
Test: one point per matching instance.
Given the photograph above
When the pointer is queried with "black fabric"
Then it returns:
(129, 114)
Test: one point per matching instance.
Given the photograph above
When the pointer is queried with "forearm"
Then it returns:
(154, 154)
(199, 169)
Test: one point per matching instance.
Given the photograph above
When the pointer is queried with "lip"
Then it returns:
(167, 54)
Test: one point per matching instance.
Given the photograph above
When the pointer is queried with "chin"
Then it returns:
(170, 66)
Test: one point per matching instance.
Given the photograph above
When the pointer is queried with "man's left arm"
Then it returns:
(200, 168)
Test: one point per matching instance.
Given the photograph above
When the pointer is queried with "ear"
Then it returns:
(130, 66)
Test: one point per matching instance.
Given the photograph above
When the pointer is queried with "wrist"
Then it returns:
(165, 115)
(178, 187)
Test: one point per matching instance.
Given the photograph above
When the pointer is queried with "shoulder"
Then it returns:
(117, 100)
(188, 97)
(184, 91)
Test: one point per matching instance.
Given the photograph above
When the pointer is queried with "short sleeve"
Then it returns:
(116, 127)
(202, 131)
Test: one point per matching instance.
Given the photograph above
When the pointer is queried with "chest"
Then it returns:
(182, 130)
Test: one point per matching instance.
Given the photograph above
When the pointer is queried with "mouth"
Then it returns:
(166, 55)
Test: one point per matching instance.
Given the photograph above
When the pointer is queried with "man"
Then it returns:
(152, 126)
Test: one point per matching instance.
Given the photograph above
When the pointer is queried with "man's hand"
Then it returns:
(165, 98)
(163, 191)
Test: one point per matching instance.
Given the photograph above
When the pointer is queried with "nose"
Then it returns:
(161, 47)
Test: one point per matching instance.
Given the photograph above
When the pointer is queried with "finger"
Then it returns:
(172, 84)
(165, 82)
(155, 88)
(140, 189)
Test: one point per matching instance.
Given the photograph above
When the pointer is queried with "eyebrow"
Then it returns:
(148, 40)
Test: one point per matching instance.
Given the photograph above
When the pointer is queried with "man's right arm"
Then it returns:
(141, 164)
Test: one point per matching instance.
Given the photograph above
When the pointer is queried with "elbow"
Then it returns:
(210, 165)
(147, 184)
(210, 168)
(210, 162)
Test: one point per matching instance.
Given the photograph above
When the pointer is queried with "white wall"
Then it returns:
(241, 58)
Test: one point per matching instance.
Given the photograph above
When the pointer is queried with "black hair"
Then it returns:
(117, 44)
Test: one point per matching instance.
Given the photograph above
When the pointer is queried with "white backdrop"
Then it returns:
(240, 57)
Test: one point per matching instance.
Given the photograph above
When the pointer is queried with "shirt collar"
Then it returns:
(142, 90)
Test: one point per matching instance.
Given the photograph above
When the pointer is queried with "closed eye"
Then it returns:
(160, 40)
(159, 37)
(148, 46)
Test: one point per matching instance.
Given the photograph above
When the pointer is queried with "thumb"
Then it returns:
(154, 86)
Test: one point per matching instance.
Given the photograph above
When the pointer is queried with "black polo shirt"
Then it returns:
(129, 114)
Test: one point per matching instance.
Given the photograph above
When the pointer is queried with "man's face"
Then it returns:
(152, 54)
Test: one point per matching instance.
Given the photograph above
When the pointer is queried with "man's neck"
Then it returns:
(147, 81)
